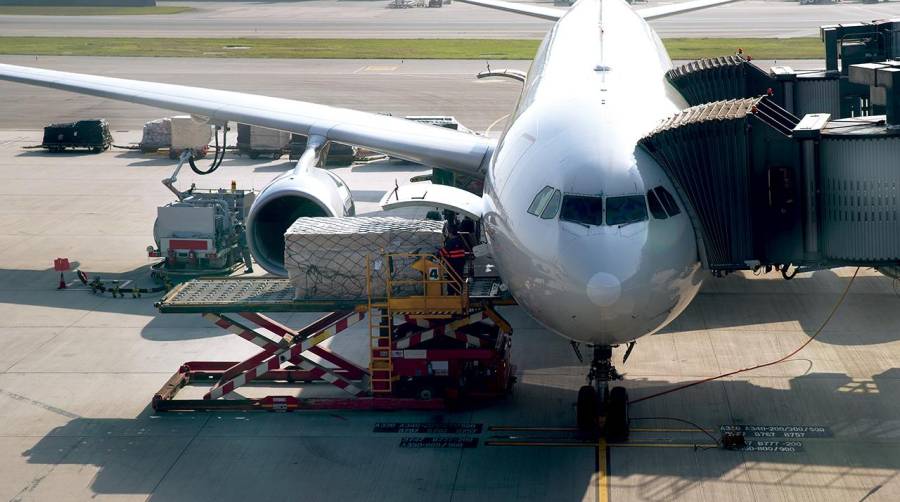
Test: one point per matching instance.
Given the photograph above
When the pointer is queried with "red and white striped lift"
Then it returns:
(285, 360)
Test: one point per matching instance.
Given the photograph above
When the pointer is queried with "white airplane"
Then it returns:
(585, 228)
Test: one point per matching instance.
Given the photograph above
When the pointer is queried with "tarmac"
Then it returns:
(77, 370)
(374, 19)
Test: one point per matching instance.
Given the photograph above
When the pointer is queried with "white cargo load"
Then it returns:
(262, 138)
(157, 134)
(326, 257)
(189, 133)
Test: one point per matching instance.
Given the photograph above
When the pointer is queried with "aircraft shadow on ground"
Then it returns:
(133, 455)
(868, 315)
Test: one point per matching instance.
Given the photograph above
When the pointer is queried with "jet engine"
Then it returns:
(294, 194)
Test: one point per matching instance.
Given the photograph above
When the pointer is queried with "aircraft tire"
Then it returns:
(617, 419)
(587, 409)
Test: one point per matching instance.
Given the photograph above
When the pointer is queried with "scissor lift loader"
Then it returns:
(444, 343)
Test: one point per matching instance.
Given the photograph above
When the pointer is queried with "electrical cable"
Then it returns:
(764, 365)
(692, 424)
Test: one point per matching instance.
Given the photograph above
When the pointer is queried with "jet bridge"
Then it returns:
(829, 90)
(765, 187)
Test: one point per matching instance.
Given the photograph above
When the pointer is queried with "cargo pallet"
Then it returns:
(444, 344)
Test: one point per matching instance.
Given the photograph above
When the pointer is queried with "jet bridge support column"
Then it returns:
(808, 132)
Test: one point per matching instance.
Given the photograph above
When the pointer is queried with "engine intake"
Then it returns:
(293, 195)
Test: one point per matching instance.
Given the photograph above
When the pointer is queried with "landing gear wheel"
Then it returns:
(617, 428)
(587, 409)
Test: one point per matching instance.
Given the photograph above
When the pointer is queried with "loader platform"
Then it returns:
(440, 341)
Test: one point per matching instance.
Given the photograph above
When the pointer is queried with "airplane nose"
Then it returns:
(604, 289)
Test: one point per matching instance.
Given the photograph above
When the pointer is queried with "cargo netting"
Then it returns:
(326, 258)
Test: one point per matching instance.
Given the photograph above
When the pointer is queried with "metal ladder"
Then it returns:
(381, 326)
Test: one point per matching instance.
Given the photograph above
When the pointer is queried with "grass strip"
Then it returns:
(328, 48)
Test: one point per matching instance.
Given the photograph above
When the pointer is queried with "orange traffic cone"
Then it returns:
(62, 281)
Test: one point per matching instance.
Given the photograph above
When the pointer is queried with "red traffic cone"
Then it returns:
(62, 281)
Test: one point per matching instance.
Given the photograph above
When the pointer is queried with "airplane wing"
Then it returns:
(422, 143)
(679, 8)
(552, 14)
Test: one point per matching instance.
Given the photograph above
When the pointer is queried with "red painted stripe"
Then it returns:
(341, 325)
(191, 244)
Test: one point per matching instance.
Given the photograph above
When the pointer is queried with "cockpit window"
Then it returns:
(583, 209)
(553, 206)
(656, 208)
(667, 201)
(540, 201)
(625, 209)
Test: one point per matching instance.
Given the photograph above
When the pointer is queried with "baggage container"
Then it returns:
(257, 141)
(156, 134)
(90, 134)
(326, 257)
(188, 133)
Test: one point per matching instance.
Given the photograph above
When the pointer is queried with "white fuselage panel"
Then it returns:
(597, 86)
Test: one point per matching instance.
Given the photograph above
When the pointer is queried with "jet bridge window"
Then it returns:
(625, 209)
(583, 209)
(668, 201)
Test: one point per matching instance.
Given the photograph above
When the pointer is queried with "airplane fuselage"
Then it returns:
(580, 242)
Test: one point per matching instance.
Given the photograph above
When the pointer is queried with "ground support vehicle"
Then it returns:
(443, 345)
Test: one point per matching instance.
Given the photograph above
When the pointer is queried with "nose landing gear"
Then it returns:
(599, 409)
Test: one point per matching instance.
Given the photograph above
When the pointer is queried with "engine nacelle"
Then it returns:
(292, 195)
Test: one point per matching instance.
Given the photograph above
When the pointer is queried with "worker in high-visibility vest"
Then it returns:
(454, 252)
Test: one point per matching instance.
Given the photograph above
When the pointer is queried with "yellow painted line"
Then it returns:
(602, 478)
(664, 445)
(654, 429)
(514, 428)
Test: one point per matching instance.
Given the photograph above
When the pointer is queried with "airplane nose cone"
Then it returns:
(604, 289)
